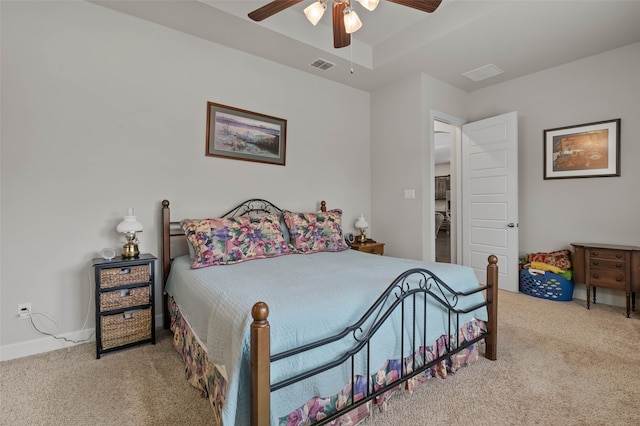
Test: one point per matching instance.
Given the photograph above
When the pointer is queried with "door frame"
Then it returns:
(456, 193)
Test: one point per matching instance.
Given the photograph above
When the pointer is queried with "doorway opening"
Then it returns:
(443, 142)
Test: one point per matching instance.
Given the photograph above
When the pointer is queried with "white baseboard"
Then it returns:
(47, 343)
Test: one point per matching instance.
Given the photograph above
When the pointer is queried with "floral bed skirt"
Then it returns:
(212, 379)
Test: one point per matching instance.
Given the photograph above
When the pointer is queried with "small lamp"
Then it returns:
(369, 4)
(362, 225)
(352, 22)
(129, 226)
(315, 11)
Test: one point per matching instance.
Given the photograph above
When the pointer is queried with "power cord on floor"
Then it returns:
(66, 339)
(55, 336)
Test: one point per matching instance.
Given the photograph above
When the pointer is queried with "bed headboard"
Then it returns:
(174, 242)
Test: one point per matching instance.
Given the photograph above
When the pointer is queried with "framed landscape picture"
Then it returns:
(584, 150)
(244, 135)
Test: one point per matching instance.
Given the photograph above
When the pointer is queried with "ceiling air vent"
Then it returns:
(483, 72)
(321, 64)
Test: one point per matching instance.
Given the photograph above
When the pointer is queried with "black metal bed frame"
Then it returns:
(253, 207)
(416, 286)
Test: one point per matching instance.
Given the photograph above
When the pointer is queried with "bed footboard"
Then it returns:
(261, 357)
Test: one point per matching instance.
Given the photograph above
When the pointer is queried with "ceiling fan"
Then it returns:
(345, 20)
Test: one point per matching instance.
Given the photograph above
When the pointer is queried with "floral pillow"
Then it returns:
(314, 232)
(224, 241)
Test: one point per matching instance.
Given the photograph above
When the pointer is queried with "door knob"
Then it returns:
(511, 225)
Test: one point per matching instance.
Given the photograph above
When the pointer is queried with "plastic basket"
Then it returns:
(548, 286)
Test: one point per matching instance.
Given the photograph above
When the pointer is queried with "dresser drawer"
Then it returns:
(125, 328)
(369, 246)
(606, 264)
(607, 278)
(114, 277)
(607, 254)
(373, 249)
(125, 298)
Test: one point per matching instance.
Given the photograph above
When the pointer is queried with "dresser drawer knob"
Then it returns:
(595, 276)
(594, 263)
(595, 253)
(619, 265)
(619, 279)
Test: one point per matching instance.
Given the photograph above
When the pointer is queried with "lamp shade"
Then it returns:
(362, 223)
(315, 11)
(369, 4)
(129, 224)
(352, 22)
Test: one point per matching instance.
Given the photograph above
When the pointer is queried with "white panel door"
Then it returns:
(490, 197)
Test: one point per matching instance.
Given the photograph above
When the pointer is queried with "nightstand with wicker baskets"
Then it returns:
(124, 302)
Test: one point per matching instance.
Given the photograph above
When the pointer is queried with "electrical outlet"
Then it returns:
(24, 309)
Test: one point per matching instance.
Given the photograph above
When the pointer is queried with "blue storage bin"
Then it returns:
(548, 286)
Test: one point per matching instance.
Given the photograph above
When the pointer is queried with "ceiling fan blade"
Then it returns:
(340, 36)
(423, 5)
(271, 9)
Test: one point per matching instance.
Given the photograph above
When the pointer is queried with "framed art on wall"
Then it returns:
(584, 150)
(244, 135)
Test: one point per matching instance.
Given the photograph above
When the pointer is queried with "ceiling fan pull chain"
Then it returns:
(351, 57)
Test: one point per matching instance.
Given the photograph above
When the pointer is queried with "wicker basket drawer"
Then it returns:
(119, 299)
(113, 277)
(128, 327)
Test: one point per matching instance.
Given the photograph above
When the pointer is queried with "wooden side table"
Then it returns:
(611, 266)
(369, 246)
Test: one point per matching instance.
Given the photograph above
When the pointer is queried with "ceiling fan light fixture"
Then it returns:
(345, 21)
(369, 4)
(352, 22)
(315, 11)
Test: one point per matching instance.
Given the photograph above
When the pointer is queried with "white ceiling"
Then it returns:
(518, 36)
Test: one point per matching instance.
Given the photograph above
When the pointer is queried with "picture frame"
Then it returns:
(245, 135)
(584, 150)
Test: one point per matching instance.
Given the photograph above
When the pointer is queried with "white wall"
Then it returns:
(555, 213)
(442, 169)
(400, 159)
(102, 111)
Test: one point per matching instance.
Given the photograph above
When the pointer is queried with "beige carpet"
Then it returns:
(559, 364)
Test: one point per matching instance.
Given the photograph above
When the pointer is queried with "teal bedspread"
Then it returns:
(310, 297)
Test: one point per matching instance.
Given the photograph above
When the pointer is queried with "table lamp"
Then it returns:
(129, 226)
(362, 225)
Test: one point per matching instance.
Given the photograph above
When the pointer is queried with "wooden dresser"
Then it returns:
(606, 265)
